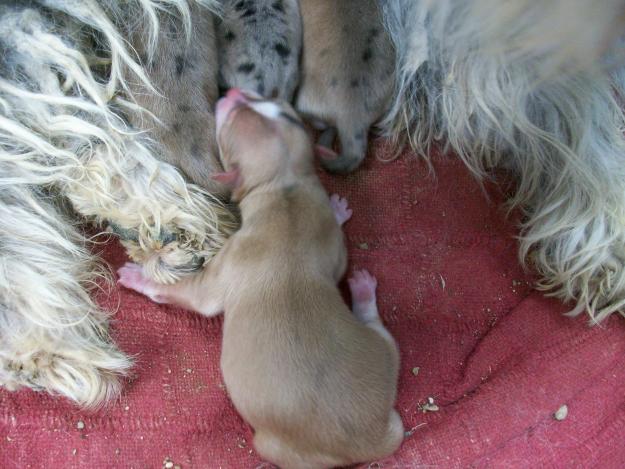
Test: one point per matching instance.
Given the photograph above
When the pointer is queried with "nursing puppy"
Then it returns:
(259, 45)
(347, 74)
(316, 381)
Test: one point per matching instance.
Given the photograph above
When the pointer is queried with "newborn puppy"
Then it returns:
(259, 44)
(347, 74)
(316, 381)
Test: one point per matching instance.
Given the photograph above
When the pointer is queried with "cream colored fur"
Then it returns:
(534, 87)
(67, 149)
(316, 381)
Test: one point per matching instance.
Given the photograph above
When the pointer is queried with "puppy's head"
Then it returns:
(260, 141)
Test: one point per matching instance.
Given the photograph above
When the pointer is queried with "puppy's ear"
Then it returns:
(325, 153)
(231, 179)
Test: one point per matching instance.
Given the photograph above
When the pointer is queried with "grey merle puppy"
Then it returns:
(259, 44)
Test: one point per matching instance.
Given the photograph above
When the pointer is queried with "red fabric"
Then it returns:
(497, 357)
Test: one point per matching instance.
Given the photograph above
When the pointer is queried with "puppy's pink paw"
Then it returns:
(339, 206)
(131, 276)
(362, 286)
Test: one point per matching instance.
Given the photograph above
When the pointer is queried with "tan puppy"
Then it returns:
(347, 74)
(316, 381)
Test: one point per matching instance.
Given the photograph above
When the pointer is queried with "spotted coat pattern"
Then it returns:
(259, 44)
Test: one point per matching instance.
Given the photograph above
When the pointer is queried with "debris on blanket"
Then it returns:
(80, 425)
(169, 464)
(415, 370)
(413, 429)
(429, 406)
(561, 413)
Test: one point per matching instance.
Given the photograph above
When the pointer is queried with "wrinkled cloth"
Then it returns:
(497, 357)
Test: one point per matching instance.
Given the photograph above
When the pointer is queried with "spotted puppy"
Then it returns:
(259, 45)
(315, 380)
(347, 74)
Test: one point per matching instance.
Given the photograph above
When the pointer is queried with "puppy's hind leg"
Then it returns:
(279, 452)
(339, 206)
(362, 287)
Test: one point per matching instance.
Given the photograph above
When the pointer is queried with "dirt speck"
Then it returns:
(429, 406)
(363, 246)
(80, 425)
(415, 370)
(561, 413)
(413, 429)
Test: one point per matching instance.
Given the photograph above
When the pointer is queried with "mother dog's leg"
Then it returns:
(63, 135)
(530, 86)
(53, 337)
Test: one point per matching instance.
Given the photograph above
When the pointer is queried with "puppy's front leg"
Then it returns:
(200, 292)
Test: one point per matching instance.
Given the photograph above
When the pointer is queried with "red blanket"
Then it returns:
(497, 358)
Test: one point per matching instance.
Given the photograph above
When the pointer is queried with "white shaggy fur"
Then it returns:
(64, 137)
(532, 86)
(52, 335)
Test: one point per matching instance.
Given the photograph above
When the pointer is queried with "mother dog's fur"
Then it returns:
(532, 86)
(74, 141)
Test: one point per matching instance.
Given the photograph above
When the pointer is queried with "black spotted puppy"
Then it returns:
(259, 44)
(347, 75)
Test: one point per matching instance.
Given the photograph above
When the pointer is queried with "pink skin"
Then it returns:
(233, 99)
(131, 276)
(325, 153)
(362, 286)
(339, 207)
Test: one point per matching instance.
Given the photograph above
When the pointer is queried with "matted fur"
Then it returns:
(52, 335)
(64, 137)
(530, 86)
